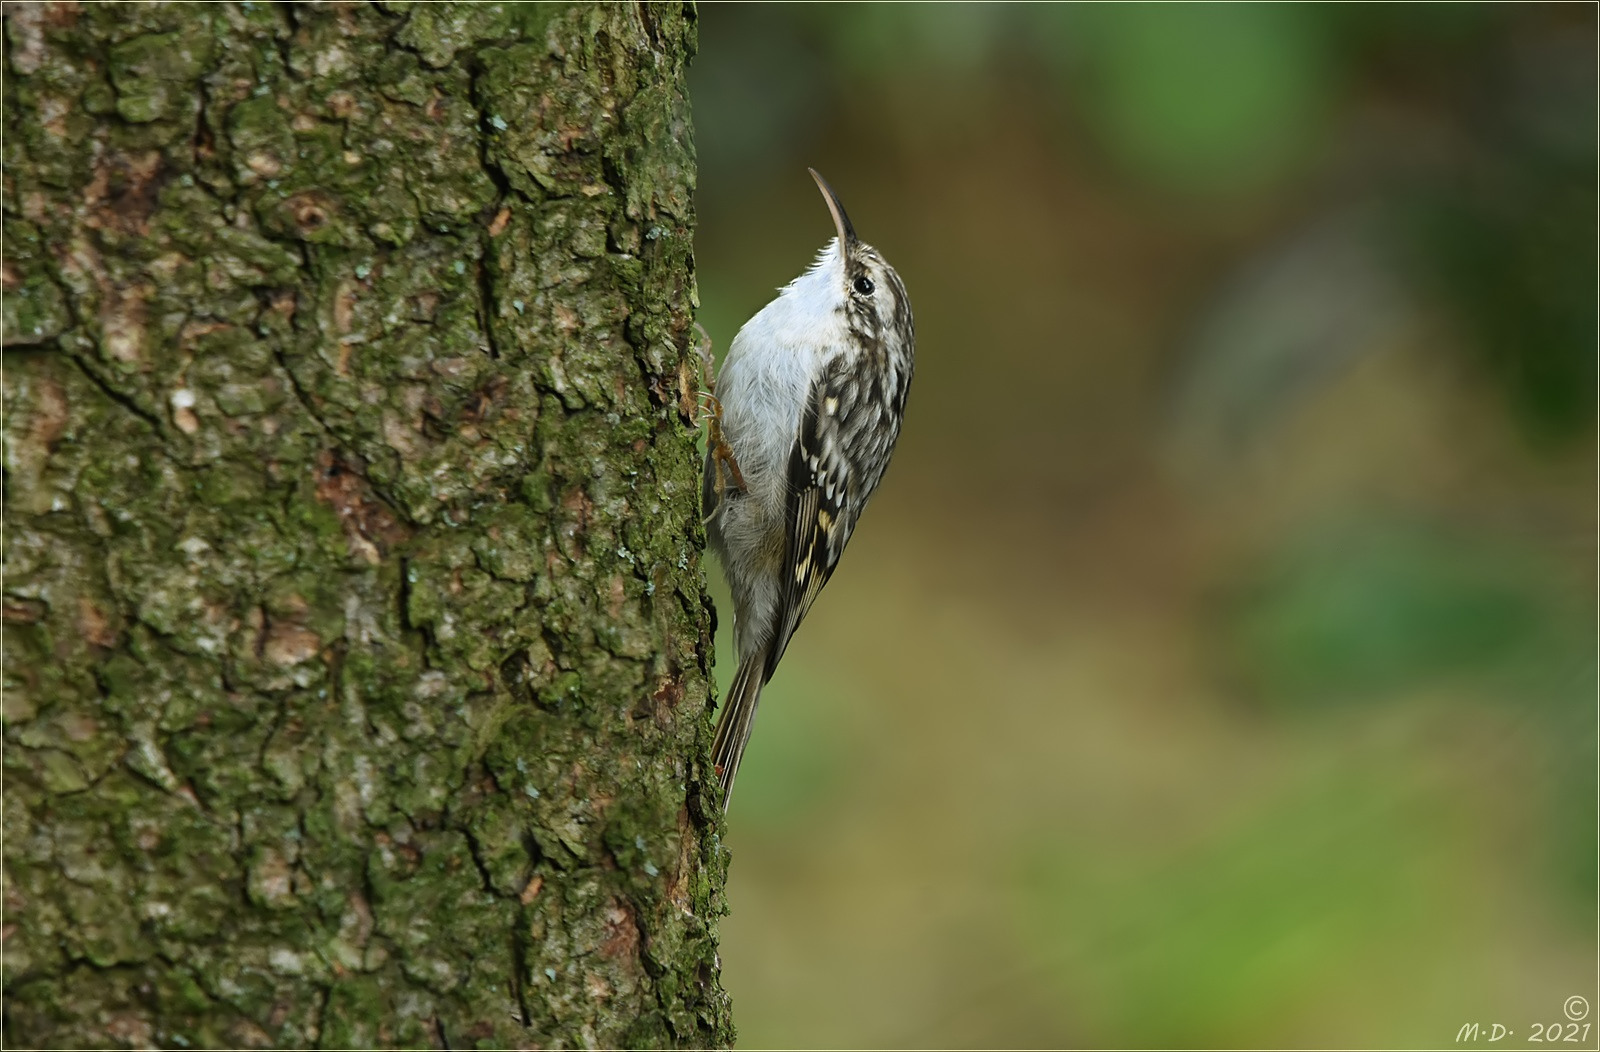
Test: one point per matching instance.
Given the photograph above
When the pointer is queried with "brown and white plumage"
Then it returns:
(812, 394)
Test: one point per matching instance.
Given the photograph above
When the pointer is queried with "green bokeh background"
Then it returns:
(1216, 664)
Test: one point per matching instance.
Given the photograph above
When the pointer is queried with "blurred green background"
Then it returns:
(1216, 664)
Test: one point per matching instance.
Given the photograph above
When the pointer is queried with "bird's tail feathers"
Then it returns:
(737, 720)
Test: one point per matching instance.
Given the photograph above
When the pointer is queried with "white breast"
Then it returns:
(767, 376)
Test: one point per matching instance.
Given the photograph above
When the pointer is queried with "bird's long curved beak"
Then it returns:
(841, 221)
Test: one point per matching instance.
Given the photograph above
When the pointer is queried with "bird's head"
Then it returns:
(860, 284)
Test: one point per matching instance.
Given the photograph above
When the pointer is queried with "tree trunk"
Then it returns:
(357, 650)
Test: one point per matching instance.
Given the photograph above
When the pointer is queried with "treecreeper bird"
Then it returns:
(806, 412)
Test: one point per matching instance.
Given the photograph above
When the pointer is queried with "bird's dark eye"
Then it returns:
(864, 286)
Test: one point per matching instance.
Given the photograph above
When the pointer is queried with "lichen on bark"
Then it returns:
(357, 648)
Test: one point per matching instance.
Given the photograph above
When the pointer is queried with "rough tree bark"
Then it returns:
(357, 650)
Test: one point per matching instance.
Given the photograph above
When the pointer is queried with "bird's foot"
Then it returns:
(707, 396)
(721, 453)
(702, 347)
(722, 458)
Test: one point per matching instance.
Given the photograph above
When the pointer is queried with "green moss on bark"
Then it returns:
(357, 650)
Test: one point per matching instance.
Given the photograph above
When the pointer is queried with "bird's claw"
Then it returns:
(722, 453)
(703, 348)
(722, 457)
(706, 400)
